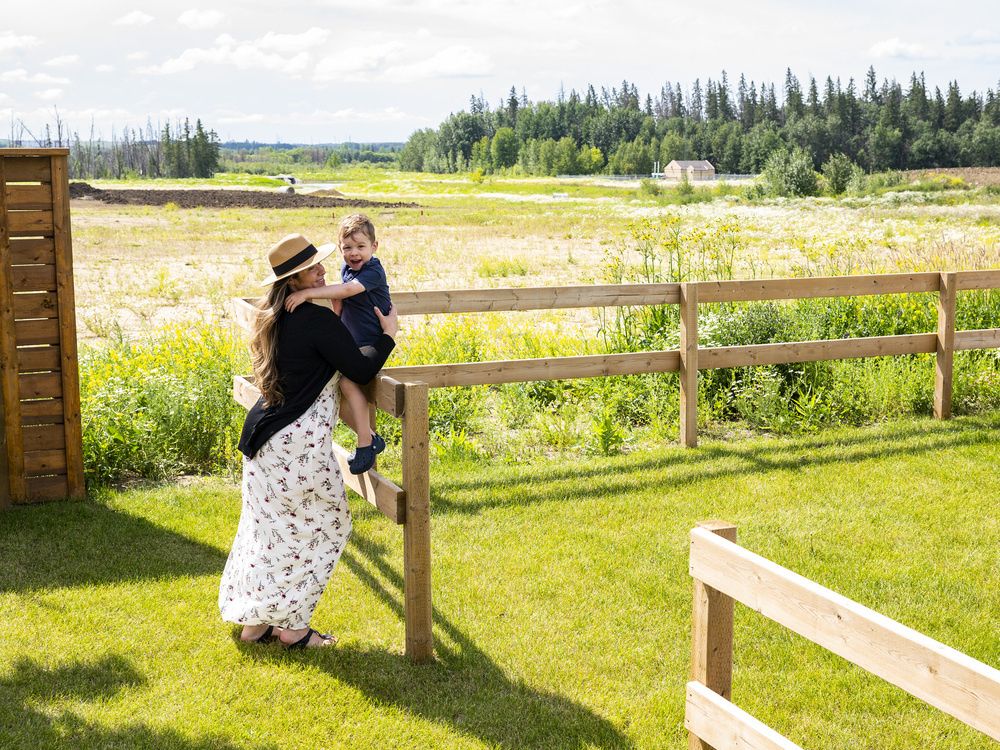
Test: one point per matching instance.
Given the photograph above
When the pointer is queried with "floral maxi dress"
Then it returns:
(293, 525)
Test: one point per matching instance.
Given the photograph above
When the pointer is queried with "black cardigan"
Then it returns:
(312, 345)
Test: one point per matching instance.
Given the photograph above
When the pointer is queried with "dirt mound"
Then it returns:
(221, 198)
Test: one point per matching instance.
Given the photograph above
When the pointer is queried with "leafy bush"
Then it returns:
(162, 406)
(790, 174)
(838, 170)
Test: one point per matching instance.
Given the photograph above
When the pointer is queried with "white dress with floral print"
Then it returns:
(293, 525)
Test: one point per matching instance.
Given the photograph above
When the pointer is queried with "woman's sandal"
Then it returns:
(266, 637)
(303, 642)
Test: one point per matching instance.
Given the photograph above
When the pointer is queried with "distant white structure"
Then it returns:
(693, 170)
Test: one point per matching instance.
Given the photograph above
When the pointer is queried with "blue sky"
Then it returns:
(316, 71)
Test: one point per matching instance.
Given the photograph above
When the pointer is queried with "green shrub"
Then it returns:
(162, 406)
(650, 188)
(790, 174)
(838, 170)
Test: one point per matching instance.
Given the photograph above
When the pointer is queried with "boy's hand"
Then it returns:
(295, 299)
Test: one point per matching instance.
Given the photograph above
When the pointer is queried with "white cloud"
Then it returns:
(458, 61)
(20, 75)
(357, 63)
(199, 20)
(104, 68)
(137, 55)
(49, 94)
(286, 53)
(55, 62)
(135, 18)
(391, 62)
(897, 48)
(10, 41)
(3, 97)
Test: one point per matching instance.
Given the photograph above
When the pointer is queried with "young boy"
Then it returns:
(364, 286)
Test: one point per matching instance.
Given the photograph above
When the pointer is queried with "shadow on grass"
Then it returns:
(26, 725)
(463, 688)
(682, 467)
(71, 544)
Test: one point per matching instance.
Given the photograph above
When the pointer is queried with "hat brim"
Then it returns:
(322, 252)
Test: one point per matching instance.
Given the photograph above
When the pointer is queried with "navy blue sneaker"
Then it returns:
(362, 460)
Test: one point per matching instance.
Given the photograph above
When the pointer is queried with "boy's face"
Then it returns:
(357, 250)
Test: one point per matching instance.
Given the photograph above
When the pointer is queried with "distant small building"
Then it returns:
(693, 170)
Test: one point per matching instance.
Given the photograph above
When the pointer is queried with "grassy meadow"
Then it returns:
(561, 603)
(560, 509)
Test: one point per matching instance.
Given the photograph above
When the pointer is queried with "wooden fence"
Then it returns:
(41, 456)
(725, 573)
(402, 391)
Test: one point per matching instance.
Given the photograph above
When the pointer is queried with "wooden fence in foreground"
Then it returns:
(725, 573)
(403, 391)
(41, 446)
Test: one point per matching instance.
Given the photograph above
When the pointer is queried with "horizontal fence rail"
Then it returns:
(937, 674)
(691, 357)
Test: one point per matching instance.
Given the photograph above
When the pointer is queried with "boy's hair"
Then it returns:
(354, 224)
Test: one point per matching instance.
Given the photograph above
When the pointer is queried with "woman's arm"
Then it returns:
(330, 291)
(336, 346)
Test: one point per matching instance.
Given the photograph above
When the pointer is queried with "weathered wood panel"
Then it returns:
(44, 462)
(40, 385)
(32, 250)
(37, 358)
(41, 411)
(47, 488)
(24, 168)
(941, 676)
(33, 278)
(46, 437)
(31, 332)
(66, 298)
(35, 305)
(29, 197)
(29, 223)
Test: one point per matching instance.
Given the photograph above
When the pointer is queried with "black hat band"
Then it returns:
(296, 260)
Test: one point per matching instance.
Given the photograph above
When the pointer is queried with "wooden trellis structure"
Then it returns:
(41, 456)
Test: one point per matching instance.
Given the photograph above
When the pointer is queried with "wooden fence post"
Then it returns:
(68, 368)
(12, 485)
(689, 365)
(945, 346)
(417, 526)
(712, 634)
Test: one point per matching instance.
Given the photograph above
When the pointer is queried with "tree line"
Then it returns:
(181, 151)
(880, 127)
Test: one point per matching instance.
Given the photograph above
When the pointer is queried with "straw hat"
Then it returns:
(292, 254)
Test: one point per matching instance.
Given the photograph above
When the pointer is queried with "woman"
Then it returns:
(295, 520)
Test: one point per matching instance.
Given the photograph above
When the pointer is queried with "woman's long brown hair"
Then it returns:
(264, 342)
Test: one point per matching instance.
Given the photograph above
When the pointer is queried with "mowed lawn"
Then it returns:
(561, 603)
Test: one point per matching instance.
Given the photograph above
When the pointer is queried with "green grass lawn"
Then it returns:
(561, 603)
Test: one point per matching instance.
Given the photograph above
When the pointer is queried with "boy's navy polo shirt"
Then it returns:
(357, 313)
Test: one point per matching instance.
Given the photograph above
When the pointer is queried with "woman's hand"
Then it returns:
(390, 322)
